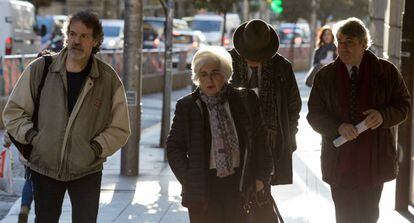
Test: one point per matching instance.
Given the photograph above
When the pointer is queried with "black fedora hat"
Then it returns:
(256, 40)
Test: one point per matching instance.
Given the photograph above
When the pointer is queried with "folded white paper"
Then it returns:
(361, 127)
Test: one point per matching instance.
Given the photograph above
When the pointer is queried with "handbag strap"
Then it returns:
(48, 61)
(279, 216)
(246, 103)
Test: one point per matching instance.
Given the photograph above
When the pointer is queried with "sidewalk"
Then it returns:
(154, 196)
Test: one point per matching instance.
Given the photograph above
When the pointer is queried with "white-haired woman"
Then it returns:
(216, 146)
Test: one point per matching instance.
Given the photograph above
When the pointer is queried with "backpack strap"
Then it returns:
(48, 61)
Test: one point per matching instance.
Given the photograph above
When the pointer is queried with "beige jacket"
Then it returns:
(62, 144)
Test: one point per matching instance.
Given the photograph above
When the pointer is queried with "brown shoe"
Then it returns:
(24, 214)
(23, 218)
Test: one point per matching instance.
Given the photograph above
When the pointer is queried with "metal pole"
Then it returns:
(132, 82)
(245, 10)
(166, 106)
(405, 130)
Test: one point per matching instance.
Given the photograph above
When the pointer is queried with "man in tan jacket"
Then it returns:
(82, 119)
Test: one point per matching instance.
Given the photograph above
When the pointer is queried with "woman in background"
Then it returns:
(325, 52)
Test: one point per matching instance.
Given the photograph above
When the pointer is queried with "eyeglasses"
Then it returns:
(214, 74)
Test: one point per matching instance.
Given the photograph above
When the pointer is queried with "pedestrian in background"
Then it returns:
(258, 66)
(357, 87)
(216, 147)
(324, 53)
(27, 191)
(82, 119)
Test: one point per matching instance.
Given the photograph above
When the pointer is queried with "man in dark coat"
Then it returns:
(357, 87)
(256, 65)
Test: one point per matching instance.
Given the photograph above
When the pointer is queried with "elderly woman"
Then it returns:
(216, 147)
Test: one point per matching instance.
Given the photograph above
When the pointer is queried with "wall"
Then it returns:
(376, 27)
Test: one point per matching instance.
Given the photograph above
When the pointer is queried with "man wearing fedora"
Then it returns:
(258, 66)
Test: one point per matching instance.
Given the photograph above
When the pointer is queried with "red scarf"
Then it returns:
(355, 157)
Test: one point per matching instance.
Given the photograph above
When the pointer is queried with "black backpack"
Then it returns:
(26, 149)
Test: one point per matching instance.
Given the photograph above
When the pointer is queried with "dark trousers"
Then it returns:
(356, 205)
(225, 204)
(83, 193)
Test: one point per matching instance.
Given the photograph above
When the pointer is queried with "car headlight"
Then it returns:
(111, 43)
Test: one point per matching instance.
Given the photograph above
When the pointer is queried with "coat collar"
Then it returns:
(373, 60)
(59, 64)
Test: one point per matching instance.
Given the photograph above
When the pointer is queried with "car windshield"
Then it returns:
(156, 25)
(206, 25)
(111, 31)
(182, 39)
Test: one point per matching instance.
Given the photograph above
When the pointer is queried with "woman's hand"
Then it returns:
(259, 185)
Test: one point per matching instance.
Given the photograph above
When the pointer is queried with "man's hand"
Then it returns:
(373, 119)
(6, 144)
(259, 185)
(348, 131)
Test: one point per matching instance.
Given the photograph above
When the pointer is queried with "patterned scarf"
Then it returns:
(268, 93)
(223, 138)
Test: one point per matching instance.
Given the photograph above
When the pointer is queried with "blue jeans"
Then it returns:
(83, 193)
(27, 192)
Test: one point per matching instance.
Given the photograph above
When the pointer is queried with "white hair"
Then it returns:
(354, 27)
(211, 54)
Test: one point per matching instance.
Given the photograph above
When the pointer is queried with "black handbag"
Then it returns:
(311, 74)
(26, 149)
(262, 208)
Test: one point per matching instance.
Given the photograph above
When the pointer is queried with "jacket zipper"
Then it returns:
(88, 85)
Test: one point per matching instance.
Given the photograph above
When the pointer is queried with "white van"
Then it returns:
(211, 25)
(17, 32)
(113, 30)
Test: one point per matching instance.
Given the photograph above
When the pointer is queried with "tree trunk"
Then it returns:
(132, 82)
(166, 106)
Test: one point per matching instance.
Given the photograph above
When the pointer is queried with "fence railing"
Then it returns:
(11, 66)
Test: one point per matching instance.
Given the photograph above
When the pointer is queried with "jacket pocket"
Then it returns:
(35, 139)
(328, 158)
(80, 155)
(45, 153)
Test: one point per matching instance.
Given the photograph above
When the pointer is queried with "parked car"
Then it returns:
(153, 31)
(113, 30)
(298, 33)
(50, 29)
(211, 25)
(18, 28)
(50, 21)
(188, 41)
(295, 43)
